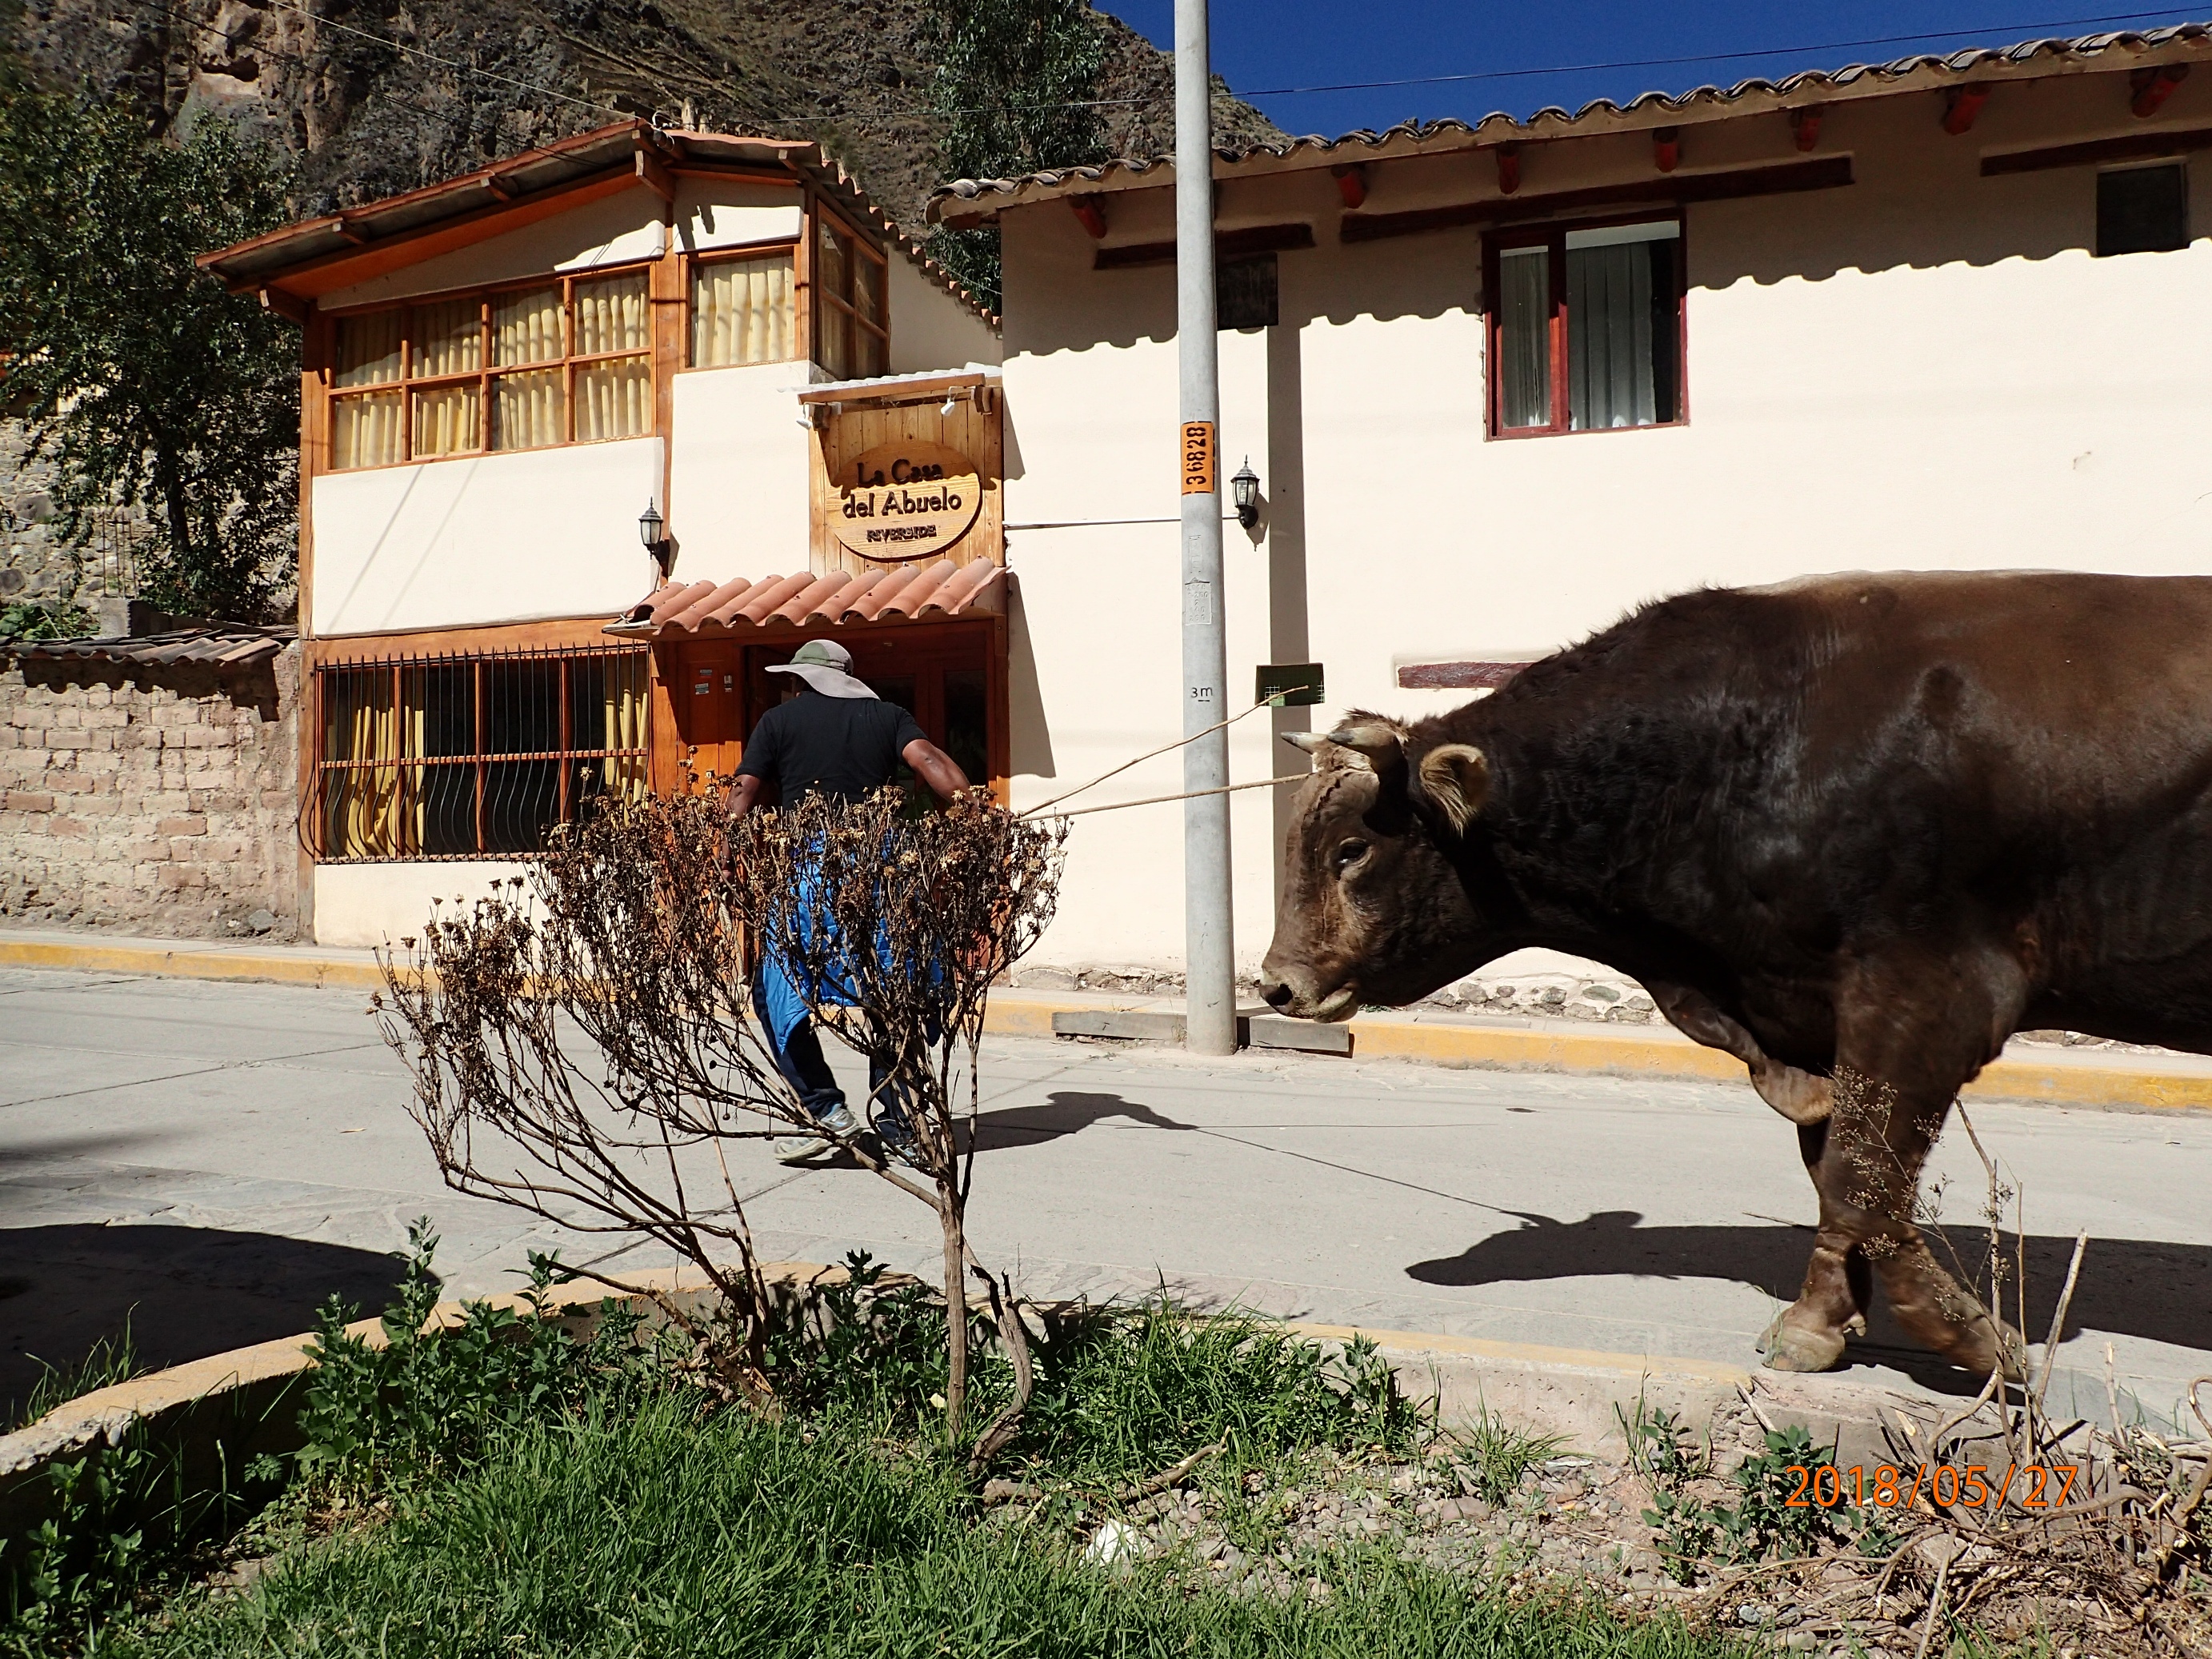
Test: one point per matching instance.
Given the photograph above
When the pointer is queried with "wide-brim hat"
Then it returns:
(828, 667)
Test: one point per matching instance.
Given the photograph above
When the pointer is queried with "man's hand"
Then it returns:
(934, 768)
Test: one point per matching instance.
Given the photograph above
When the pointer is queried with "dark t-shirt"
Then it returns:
(848, 747)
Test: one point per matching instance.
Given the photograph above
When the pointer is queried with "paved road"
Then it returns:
(213, 1159)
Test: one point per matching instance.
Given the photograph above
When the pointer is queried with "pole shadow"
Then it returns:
(185, 1293)
(2147, 1288)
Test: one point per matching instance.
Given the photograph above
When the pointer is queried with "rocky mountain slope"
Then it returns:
(377, 96)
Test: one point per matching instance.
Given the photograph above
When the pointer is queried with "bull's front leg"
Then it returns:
(1895, 1078)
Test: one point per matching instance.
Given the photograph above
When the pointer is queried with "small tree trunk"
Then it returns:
(950, 1216)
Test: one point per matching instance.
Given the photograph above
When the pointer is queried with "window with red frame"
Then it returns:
(1585, 328)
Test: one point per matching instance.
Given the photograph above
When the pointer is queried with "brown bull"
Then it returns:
(1855, 831)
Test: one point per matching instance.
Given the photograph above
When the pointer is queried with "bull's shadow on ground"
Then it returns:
(185, 1293)
(2136, 1287)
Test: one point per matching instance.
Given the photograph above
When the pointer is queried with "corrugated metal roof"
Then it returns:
(971, 200)
(265, 261)
(710, 609)
(215, 648)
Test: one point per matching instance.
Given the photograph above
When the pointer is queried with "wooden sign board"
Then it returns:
(901, 503)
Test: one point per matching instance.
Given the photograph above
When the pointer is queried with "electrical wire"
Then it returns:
(1618, 63)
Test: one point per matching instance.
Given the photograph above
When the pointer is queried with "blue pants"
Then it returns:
(799, 1058)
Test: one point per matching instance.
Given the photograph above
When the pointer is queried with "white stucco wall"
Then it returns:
(1925, 370)
(483, 538)
(712, 213)
(737, 494)
(371, 905)
(929, 329)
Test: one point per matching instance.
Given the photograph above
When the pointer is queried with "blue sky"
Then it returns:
(1268, 44)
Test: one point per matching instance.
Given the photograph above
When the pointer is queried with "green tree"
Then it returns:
(148, 384)
(1013, 85)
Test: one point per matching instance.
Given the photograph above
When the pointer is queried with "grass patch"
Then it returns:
(111, 1361)
(660, 1533)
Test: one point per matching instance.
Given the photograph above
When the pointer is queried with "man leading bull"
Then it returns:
(1855, 831)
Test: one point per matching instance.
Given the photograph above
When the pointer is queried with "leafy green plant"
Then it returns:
(30, 620)
(427, 1401)
(1764, 1522)
(1495, 1455)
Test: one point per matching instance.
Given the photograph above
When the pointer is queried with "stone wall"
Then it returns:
(151, 799)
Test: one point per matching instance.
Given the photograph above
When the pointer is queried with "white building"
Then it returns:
(1503, 383)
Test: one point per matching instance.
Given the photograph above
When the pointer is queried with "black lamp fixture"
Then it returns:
(652, 531)
(1245, 488)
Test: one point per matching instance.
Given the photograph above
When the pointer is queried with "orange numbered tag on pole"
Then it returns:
(1198, 458)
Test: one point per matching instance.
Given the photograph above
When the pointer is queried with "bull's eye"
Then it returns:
(1349, 854)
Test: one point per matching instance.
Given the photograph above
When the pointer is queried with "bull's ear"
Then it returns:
(1456, 777)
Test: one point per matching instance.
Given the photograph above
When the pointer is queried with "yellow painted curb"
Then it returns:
(185, 962)
(1527, 1353)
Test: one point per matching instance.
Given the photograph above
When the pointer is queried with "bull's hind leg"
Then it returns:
(1905, 1044)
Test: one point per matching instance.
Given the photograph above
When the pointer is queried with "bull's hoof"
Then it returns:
(1793, 1348)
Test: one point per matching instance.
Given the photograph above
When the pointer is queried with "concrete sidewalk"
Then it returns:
(2126, 1079)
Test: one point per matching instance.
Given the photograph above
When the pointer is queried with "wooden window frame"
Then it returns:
(486, 371)
(830, 309)
(399, 665)
(694, 263)
(1552, 235)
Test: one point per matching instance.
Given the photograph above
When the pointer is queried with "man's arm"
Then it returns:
(934, 768)
(745, 795)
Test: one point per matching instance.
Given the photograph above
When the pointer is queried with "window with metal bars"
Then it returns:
(568, 361)
(471, 755)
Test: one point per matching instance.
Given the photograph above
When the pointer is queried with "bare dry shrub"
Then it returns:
(581, 1040)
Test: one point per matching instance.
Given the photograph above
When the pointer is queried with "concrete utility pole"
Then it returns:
(1209, 939)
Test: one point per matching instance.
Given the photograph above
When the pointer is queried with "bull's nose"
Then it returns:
(1275, 994)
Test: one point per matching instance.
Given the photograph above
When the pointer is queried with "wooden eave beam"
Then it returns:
(735, 172)
(1666, 147)
(286, 306)
(1090, 213)
(1508, 168)
(653, 175)
(1961, 105)
(314, 277)
(2134, 146)
(930, 386)
(2149, 88)
(1352, 184)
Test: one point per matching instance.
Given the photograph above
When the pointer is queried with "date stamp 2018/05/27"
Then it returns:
(1887, 1487)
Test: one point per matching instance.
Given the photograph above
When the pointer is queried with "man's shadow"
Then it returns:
(1063, 1112)
(2136, 1287)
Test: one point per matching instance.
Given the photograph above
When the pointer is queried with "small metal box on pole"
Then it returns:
(1209, 937)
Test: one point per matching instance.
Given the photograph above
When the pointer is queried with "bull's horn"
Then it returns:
(1312, 742)
(1382, 744)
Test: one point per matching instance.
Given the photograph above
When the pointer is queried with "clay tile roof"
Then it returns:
(208, 648)
(970, 201)
(679, 610)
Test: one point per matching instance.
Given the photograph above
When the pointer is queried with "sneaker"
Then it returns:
(899, 1147)
(838, 1125)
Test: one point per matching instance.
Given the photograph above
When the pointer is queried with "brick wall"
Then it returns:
(155, 800)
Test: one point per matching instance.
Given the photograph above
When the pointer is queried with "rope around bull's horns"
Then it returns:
(1275, 700)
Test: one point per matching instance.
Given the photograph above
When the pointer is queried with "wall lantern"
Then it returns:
(652, 531)
(1244, 485)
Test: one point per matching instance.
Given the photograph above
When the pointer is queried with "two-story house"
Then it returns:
(511, 382)
(1502, 382)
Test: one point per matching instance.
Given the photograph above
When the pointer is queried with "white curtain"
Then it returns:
(1524, 338)
(614, 399)
(448, 339)
(526, 327)
(527, 409)
(742, 312)
(368, 349)
(1620, 349)
(447, 420)
(365, 430)
(612, 315)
